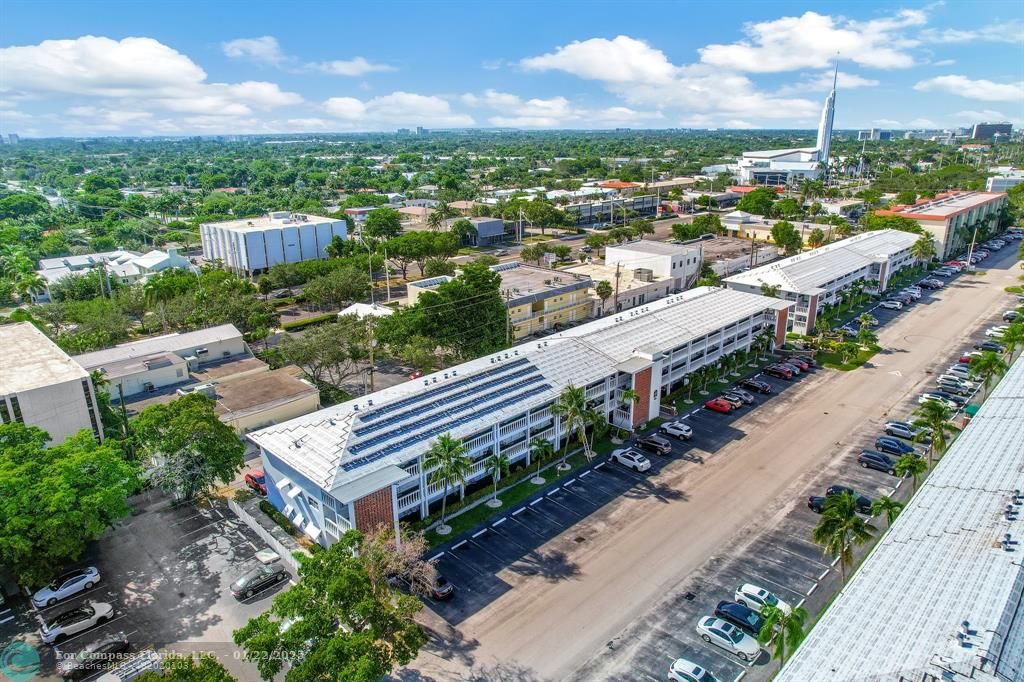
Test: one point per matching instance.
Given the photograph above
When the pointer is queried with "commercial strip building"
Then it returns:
(148, 365)
(124, 267)
(818, 278)
(941, 596)
(538, 299)
(612, 211)
(1005, 180)
(41, 386)
(253, 245)
(360, 464)
(951, 218)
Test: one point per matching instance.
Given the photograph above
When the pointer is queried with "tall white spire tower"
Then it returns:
(825, 126)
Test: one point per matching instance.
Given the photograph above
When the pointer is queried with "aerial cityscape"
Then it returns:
(511, 342)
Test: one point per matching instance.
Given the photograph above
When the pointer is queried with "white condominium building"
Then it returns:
(252, 245)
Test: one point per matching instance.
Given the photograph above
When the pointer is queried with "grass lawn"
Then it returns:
(509, 497)
(835, 360)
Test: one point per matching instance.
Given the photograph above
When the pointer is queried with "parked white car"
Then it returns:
(729, 637)
(678, 429)
(67, 585)
(925, 397)
(756, 597)
(77, 620)
(993, 332)
(916, 295)
(631, 459)
(891, 305)
(683, 670)
(960, 370)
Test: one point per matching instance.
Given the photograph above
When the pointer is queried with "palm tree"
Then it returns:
(840, 528)
(453, 466)
(910, 465)
(986, 367)
(497, 464)
(923, 249)
(29, 284)
(887, 507)
(787, 629)
(571, 406)
(158, 291)
(770, 290)
(934, 416)
(629, 397)
(541, 450)
(1012, 338)
(604, 291)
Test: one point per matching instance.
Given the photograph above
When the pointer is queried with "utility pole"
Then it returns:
(615, 303)
(508, 317)
(387, 274)
(370, 324)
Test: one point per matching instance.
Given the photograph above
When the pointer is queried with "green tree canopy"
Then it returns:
(383, 223)
(787, 237)
(343, 626)
(189, 447)
(54, 500)
(759, 201)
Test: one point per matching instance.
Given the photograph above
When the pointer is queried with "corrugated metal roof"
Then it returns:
(941, 564)
(348, 441)
(806, 271)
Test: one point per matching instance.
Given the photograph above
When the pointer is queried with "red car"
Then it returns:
(256, 480)
(799, 362)
(718, 405)
(778, 372)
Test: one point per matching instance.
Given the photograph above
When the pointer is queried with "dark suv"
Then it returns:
(778, 371)
(893, 446)
(863, 503)
(655, 444)
(757, 385)
(743, 617)
(869, 459)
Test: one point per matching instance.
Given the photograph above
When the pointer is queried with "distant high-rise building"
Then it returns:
(828, 113)
(403, 131)
(420, 130)
(874, 134)
(986, 131)
(13, 139)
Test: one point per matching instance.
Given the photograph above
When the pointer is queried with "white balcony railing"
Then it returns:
(409, 500)
(513, 427)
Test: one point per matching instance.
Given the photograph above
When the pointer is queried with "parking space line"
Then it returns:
(778, 585)
(823, 574)
(586, 473)
(7, 619)
(500, 521)
(518, 511)
(814, 562)
(537, 501)
(739, 677)
(568, 509)
(479, 533)
(800, 603)
(460, 544)
(436, 556)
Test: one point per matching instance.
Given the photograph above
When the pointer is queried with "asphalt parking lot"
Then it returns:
(477, 564)
(167, 571)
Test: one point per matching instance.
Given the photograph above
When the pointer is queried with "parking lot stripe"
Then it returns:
(834, 562)
(460, 544)
(800, 603)
(537, 501)
(823, 574)
(7, 619)
(436, 556)
(500, 521)
(519, 511)
(898, 484)
(586, 473)
(571, 480)
(479, 533)
(740, 676)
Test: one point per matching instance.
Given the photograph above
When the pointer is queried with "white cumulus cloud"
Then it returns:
(398, 108)
(262, 49)
(980, 89)
(357, 66)
(621, 60)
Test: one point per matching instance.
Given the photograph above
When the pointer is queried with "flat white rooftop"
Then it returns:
(168, 343)
(806, 272)
(275, 219)
(655, 247)
(941, 564)
(31, 360)
(944, 207)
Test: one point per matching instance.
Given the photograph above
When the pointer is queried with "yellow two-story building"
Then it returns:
(538, 299)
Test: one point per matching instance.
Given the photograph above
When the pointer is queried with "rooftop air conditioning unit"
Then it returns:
(643, 275)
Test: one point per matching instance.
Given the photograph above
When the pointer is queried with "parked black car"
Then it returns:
(946, 395)
(863, 503)
(814, 503)
(757, 385)
(869, 459)
(656, 444)
(893, 446)
(440, 590)
(743, 617)
(258, 579)
(989, 345)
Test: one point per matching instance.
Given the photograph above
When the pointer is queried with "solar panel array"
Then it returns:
(440, 390)
(444, 426)
(435, 404)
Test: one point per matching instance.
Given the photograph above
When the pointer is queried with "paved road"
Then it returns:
(639, 549)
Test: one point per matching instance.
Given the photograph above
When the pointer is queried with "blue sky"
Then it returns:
(187, 67)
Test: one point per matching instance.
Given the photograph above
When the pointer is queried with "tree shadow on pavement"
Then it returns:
(552, 566)
(662, 492)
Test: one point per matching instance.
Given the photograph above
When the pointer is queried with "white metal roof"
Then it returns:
(349, 441)
(941, 564)
(158, 344)
(652, 247)
(31, 360)
(805, 272)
